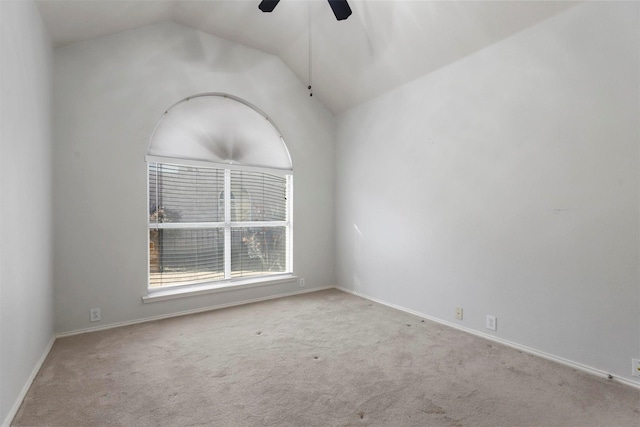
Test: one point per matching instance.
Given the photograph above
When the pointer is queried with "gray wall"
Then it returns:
(26, 285)
(109, 94)
(507, 184)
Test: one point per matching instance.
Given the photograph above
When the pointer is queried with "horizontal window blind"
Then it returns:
(257, 251)
(181, 256)
(185, 194)
(195, 237)
(259, 196)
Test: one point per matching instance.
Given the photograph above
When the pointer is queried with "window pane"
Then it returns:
(188, 249)
(185, 194)
(258, 196)
(181, 256)
(257, 251)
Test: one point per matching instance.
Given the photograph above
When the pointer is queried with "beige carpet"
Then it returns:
(321, 359)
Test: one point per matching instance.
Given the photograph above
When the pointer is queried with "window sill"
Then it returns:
(208, 288)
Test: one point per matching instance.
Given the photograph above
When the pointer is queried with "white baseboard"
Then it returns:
(16, 406)
(187, 312)
(529, 350)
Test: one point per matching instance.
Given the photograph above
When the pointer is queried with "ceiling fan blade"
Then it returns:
(340, 8)
(268, 5)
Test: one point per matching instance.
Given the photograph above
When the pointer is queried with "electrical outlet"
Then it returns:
(492, 322)
(95, 314)
(459, 313)
(636, 367)
(302, 282)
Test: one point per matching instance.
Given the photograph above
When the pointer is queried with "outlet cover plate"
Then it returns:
(636, 367)
(459, 313)
(95, 314)
(492, 322)
(302, 282)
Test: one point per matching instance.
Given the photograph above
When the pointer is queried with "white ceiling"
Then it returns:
(383, 45)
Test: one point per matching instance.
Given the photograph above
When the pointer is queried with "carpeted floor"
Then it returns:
(321, 359)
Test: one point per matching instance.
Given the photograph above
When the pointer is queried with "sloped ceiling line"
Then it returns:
(383, 45)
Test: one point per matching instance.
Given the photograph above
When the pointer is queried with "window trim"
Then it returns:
(184, 291)
(228, 283)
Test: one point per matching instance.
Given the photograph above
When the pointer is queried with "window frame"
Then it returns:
(228, 282)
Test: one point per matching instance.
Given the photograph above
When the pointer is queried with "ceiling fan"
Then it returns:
(340, 8)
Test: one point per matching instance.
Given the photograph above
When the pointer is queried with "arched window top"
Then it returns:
(218, 128)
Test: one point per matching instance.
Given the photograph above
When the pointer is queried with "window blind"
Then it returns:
(195, 236)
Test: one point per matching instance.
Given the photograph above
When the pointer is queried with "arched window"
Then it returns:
(220, 194)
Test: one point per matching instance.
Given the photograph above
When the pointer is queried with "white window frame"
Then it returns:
(197, 287)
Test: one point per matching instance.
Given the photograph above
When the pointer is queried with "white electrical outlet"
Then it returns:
(636, 367)
(492, 322)
(95, 314)
(459, 313)
(302, 282)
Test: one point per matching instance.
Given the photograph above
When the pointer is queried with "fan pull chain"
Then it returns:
(310, 64)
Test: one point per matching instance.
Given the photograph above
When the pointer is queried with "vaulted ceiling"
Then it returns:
(383, 45)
